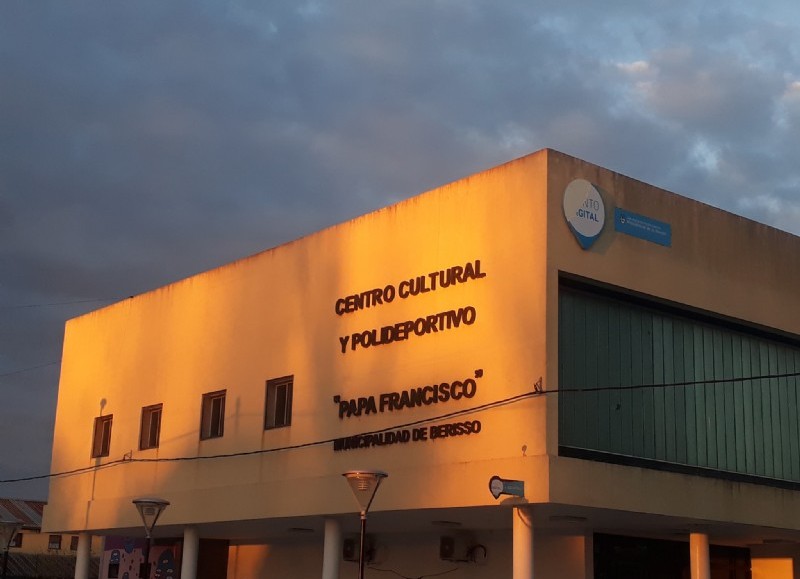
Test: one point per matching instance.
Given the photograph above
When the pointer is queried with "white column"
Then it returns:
(588, 555)
(191, 549)
(700, 562)
(332, 550)
(83, 555)
(522, 529)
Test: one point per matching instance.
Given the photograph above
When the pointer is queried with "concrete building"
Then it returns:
(28, 514)
(566, 373)
(32, 553)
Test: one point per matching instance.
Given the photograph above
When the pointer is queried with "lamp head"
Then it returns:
(150, 509)
(364, 484)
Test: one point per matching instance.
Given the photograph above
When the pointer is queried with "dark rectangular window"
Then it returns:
(212, 423)
(101, 444)
(150, 431)
(279, 402)
(73, 543)
(54, 542)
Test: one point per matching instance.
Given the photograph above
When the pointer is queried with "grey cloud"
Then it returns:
(144, 142)
(714, 94)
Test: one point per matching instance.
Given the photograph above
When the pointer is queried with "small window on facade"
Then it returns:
(150, 431)
(101, 444)
(54, 543)
(279, 402)
(73, 543)
(212, 424)
(16, 542)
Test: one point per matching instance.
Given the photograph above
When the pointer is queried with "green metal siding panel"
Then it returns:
(792, 409)
(623, 371)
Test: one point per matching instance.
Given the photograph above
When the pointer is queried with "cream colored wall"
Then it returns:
(718, 262)
(772, 568)
(775, 561)
(562, 556)
(34, 542)
(273, 314)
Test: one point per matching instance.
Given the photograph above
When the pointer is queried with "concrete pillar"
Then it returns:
(332, 549)
(522, 529)
(588, 555)
(191, 550)
(700, 561)
(83, 555)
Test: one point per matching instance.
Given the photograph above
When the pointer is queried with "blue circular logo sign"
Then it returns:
(584, 211)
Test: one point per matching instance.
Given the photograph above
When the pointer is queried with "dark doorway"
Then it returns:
(618, 557)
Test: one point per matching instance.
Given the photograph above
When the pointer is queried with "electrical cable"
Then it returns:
(686, 383)
(536, 392)
(22, 370)
(70, 303)
(417, 577)
(124, 460)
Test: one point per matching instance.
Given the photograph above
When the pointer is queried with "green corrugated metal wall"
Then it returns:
(740, 426)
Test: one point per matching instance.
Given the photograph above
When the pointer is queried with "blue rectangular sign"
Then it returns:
(642, 227)
(514, 487)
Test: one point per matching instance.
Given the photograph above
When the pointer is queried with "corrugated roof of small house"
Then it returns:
(29, 513)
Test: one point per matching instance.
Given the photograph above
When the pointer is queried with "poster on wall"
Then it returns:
(123, 557)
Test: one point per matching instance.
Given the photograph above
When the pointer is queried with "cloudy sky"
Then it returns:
(142, 142)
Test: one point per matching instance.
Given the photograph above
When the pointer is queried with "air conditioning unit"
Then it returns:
(351, 545)
(461, 548)
(453, 547)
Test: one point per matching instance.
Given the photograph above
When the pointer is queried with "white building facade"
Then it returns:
(621, 362)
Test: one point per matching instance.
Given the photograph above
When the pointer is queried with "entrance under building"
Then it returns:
(618, 557)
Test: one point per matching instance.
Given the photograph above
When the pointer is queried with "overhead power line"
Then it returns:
(127, 460)
(710, 381)
(70, 303)
(22, 370)
(535, 392)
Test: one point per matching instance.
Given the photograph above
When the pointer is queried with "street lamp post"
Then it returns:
(149, 509)
(364, 484)
(7, 531)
